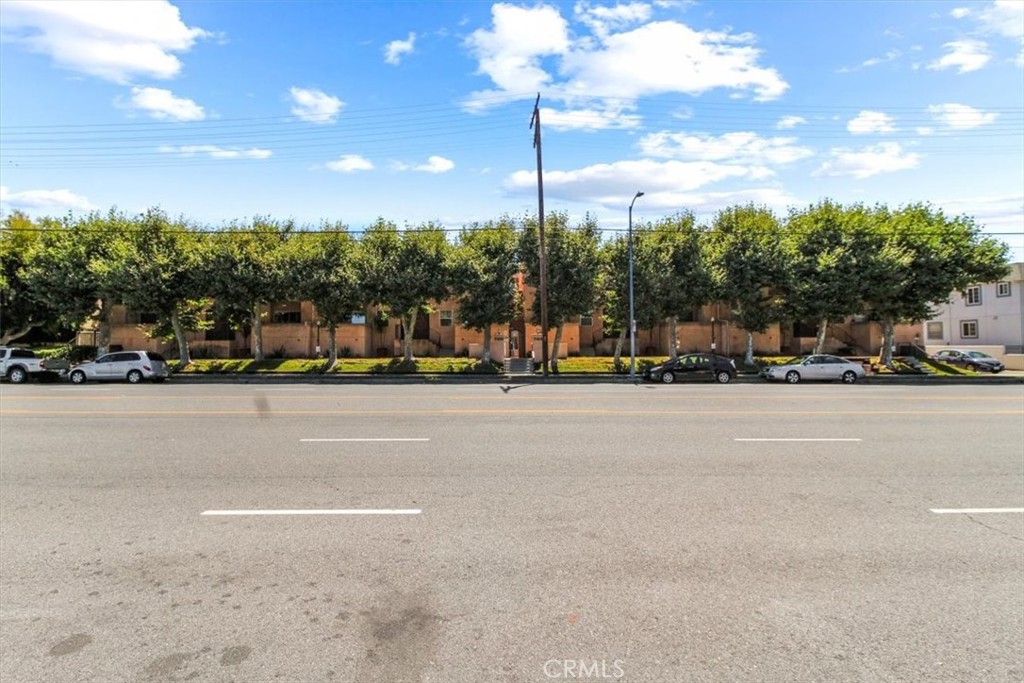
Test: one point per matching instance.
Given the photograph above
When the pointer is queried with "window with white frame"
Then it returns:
(968, 329)
(446, 318)
(972, 295)
(1003, 289)
(935, 330)
(587, 320)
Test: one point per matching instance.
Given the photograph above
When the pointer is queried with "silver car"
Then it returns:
(817, 367)
(133, 366)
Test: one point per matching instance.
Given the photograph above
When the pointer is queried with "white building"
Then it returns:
(983, 315)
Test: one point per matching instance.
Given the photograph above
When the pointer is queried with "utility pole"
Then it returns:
(535, 125)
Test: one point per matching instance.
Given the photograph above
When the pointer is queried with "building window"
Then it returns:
(1002, 289)
(446, 319)
(287, 316)
(968, 329)
(972, 295)
(286, 312)
(935, 331)
(587, 320)
(358, 319)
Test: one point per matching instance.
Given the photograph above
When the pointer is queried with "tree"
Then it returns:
(405, 271)
(485, 265)
(923, 257)
(155, 270)
(20, 310)
(747, 267)
(649, 264)
(245, 272)
(829, 248)
(573, 269)
(685, 282)
(322, 267)
(70, 269)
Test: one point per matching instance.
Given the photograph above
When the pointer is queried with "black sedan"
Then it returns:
(712, 366)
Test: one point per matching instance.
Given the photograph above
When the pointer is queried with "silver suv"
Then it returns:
(133, 366)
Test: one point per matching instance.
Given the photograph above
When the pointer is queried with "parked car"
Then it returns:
(972, 360)
(709, 365)
(133, 366)
(816, 367)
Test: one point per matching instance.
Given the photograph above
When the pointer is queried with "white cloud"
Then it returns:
(1005, 18)
(600, 20)
(315, 106)
(511, 51)
(604, 183)
(959, 12)
(739, 147)
(396, 48)
(669, 57)
(870, 122)
(965, 55)
(163, 105)
(57, 201)
(589, 119)
(350, 163)
(116, 41)
(435, 164)
(961, 116)
(215, 152)
(890, 56)
(655, 58)
(787, 122)
(884, 157)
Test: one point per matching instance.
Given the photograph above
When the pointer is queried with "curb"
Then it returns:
(272, 378)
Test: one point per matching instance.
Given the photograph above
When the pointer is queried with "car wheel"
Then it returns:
(17, 375)
(668, 377)
(723, 377)
(849, 377)
(134, 376)
(78, 377)
(972, 367)
(793, 377)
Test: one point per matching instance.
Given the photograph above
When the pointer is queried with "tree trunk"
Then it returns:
(103, 328)
(819, 343)
(618, 350)
(553, 355)
(487, 344)
(673, 341)
(184, 357)
(20, 332)
(257, 333)
(332, 346)
(748, 357)
(410, 324)
(885, 355)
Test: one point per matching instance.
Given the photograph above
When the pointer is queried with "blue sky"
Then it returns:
(420, 111)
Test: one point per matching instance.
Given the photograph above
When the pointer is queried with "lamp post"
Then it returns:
(632, 314)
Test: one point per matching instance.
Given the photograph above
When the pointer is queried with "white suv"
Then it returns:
(133, 366)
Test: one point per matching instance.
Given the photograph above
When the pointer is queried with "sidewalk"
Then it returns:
(1007, 377)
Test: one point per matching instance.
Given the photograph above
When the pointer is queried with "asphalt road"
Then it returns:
(546, 533)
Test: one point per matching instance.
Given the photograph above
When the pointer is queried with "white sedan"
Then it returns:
(817, 367)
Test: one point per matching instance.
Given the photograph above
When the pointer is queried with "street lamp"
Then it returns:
(632, 315)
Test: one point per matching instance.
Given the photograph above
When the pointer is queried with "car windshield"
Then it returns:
(978, 354)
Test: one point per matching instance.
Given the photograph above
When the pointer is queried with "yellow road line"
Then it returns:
(484, 411)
